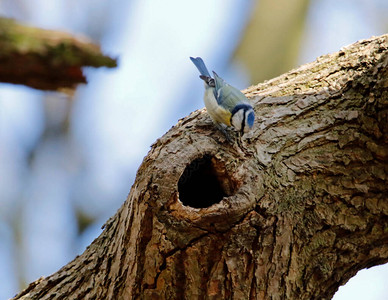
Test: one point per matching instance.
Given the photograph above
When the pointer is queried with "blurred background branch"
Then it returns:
(46, 59)
(272, 40)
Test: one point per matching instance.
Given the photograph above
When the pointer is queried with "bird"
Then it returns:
(224, 103)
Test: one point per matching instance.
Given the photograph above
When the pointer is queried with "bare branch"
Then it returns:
(46, 59)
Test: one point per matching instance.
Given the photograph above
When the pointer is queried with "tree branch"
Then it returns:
(45, 59)
(295, 208)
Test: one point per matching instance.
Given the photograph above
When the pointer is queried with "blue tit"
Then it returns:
(224, 103)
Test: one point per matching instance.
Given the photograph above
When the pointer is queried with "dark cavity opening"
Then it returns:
(204, 183)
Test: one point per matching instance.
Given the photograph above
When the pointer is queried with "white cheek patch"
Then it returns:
(237, 119)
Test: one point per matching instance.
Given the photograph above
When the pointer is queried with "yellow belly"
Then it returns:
(216, 112)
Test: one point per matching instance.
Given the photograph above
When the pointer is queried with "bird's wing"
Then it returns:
(227, 96)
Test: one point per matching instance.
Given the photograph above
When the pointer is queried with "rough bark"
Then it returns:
(290, 211)
(46, 59)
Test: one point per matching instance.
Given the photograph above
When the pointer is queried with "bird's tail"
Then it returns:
(198, 62)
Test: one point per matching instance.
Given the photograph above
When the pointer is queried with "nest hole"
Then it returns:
(205, 182)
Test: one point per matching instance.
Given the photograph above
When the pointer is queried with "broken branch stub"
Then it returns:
(46, 59)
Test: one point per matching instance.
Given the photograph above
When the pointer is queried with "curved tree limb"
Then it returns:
(46, 59)
(294, 209)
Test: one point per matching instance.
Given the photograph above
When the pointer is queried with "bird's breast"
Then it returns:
(216, 112)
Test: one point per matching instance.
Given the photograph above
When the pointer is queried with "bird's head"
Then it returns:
(243, 117)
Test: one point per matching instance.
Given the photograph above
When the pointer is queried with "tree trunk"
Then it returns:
(291, 210)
